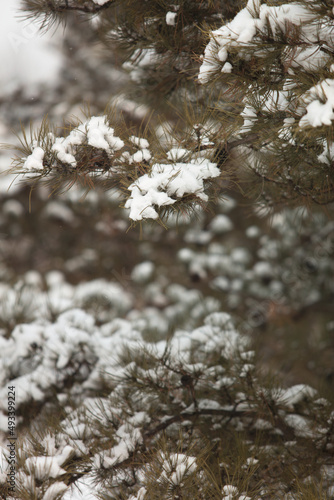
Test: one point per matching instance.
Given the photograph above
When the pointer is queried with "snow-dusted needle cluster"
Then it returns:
(160, 185)
(168, 183)
(310, 52)
(94, 132)
(246, 27)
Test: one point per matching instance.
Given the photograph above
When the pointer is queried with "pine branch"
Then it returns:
(195, 414)
(59, 7)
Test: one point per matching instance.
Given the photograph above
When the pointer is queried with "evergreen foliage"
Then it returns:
(266, 79)
(154, 392)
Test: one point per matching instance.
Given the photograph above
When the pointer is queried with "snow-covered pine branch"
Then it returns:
(50, 8)
(267, 74)
(156, 407)
(275, 63)
(93, 150)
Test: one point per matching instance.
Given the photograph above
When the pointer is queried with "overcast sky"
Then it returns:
(27, 57)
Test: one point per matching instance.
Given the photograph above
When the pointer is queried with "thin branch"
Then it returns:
(186, 415)
(64, 6)
(81, 8)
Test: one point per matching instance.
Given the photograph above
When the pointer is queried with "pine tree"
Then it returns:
(259, 104)
(171, 402)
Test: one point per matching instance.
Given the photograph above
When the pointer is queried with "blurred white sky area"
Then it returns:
(27, 57)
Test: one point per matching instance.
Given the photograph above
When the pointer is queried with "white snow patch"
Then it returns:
(253, 20)
(83, 489)
(295, 394)
(165, 184)
(176, 154)
(140, 495)
(44, 467)
(35, 160)
(221, 224)
(140, 142)
(54, 491)
(95, 131)
(142, 272)
(229, 491)
(171, 18)
(176, 466)
(320, 110)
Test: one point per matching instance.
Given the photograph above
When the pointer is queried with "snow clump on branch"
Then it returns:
(245, 36)
(255, 20)
(160, 184)
(94, 132)
(167, 183)
(97, 133)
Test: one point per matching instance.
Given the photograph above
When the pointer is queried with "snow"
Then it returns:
(58, 210)
(83, 489)
(4, 455)
(38, 357)
(61, 147)
(249, 116)
(35, 160)
(301, 425)
(251, 461)
(327, 155)
(220, 320)
(139, 61)
(185, 255)
(221, 283)
(171, 18)
(75, 336)
(227, 68)
(100, 135)
(209, 404)
(176, 466)
(176, 154)
(254, 20)
(320, 107)
(129, 437)
(221, 224)
(95, 131)
(143, 272)
(240, 255)
(140, 495)
(263, 269)
(44, 467)
(143, 155)
(226, 204)
(198, 237)
(275, 100)
(13, 208)
(229, 490)
(101, 2)
(295, 394)
(249, 27)
(54, 491)
(112, 293)
(253, 232)
(167, 183)
(216, 335)
(140, 142)
(77, 318)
